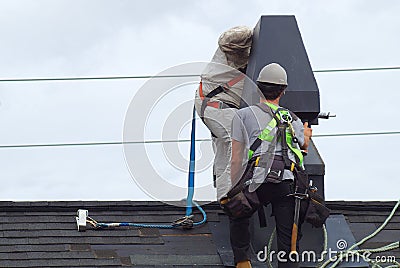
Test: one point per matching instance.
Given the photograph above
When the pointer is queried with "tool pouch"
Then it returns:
(243, 204)
(316, 212)
(240, 202)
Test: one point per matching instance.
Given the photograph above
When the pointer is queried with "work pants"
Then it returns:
(283, 211)
(219, 122)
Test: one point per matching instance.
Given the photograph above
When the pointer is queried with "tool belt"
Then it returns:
(314, 210)
(239, 201)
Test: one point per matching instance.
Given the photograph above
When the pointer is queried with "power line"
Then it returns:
(95, 143)
(357, 134)
(176, 76)
(174, 141)
(96, 78)
(358, 69)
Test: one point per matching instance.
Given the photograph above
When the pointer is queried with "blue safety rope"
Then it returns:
(192, 166)
(157, 226)
(185, 221)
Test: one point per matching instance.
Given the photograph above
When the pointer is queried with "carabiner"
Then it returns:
(285, 116)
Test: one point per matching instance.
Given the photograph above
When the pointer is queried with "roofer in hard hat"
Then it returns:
(219, 95)
(259, 124)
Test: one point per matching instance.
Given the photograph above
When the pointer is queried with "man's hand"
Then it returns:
(307, 136)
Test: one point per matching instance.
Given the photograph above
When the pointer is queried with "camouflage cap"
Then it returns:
(236, 38)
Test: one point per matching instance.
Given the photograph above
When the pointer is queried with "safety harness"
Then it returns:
(285, 134)
(206, 100)
(282, 119)
(266, 166)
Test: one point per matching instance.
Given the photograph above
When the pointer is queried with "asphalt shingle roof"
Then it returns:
(44, 234)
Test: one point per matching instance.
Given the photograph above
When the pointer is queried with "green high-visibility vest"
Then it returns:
(265, 135)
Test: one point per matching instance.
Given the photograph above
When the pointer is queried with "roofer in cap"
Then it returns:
(219, 95)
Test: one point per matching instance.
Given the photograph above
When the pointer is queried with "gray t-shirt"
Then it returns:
(247, 126)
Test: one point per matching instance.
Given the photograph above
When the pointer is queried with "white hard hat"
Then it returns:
(273, 73)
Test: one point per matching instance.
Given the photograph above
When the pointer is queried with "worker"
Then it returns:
(247, 125)
(219, 95)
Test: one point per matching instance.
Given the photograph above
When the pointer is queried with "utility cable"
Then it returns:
(356, 134)
(336, 260)
(49, 79)
(95, 143)
(342, 255)
(358, 69)
(272, 237)
(13, 146)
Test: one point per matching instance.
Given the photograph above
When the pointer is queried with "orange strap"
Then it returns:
(235, 80)
(214, 104)
(230, 83)
(201, 91)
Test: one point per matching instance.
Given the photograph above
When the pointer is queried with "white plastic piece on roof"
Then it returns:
(81, 219)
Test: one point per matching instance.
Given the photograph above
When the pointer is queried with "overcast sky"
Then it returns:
(47, 38)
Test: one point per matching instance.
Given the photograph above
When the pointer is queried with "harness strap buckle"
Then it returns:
(299, 195)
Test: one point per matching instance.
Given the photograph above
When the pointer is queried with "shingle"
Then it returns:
(39, 226)
(388, 236)
(60, 263)
(194, 244)
(149, 232)
(390, 226)
(35, 219)
(105, 254)
(33, 248)
(91, 240)
(14, 256)
(79, 247)
(13, 241)
(61, 255)
(70, 233)
(372, 219)
(173, 259)
(46, 255)
(40, 204)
